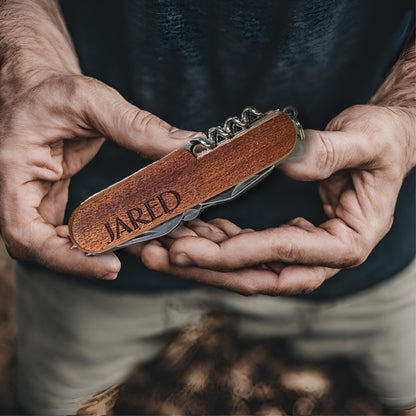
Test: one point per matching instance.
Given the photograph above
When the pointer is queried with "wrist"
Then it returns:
(404, 120)
(34, 46)
(24, 71)
(411, 138)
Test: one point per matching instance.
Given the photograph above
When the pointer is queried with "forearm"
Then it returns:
(398, 89)
(398, 92)
(34, 45)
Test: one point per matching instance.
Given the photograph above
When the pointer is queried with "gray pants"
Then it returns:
(75, 340)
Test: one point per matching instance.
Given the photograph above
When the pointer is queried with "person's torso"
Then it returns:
(195, 63)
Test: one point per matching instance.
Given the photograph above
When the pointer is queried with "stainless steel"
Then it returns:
(250, 114)
(231, 128)
(292, 112)
(157, 232)
(234, 125)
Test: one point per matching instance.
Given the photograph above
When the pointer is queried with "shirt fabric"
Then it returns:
(195, 63)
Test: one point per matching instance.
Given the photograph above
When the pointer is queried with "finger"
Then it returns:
(52, 248)
(293, 279)
(216, 230)
(29, 237)
(109, 113)
(327, 200)
(276, 266)
(332, 244)
(135, 249)
(168, 240)
(302, 223)
(296, 279)
(247, 230)
(52, 206)
(330, 210)
(181, 231)
(246, 282)
(79, 152)
(331, 189)
(324, 152)
(62, 231)
(207, 230)
(57, 253)
(229, 228)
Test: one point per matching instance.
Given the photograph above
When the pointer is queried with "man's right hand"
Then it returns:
(49, 133)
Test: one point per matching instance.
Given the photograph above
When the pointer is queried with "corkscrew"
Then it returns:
(207, 171)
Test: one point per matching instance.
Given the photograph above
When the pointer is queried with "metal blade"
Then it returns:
(157, 232)
(192, 213)
(238, 189)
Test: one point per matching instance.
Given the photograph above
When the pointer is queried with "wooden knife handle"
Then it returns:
(177, 182)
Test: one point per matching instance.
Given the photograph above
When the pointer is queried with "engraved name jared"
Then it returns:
(145, 213)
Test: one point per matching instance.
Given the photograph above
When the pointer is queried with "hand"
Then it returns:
(49, 133)
(361, 160)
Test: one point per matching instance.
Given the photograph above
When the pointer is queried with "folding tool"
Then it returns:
(208, 170)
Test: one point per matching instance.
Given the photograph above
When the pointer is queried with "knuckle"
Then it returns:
(219, 222)
(325, 158)
(314, 282)
(248, 290)
(299, 222)
(142, 120)
(82, 85)
(308, 287)
(356, 113)
(223, 263)
(388, 224)
(355, 253)
(351, 116)
(274, 290)
(285, 252)
(79, 89)
(296, 220)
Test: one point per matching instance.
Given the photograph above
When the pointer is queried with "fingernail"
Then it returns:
(62, 231)
(299, 151)
(181, 134)
(111, 262)
(110, 276)
(297, 154)
(182, 259)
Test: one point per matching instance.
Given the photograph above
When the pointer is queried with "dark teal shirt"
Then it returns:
(195, 63)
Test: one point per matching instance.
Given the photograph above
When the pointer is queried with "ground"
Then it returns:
(205, 369)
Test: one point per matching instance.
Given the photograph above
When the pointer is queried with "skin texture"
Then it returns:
(361, 160)
(53, 121)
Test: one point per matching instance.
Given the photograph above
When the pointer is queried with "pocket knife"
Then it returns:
(208, 170)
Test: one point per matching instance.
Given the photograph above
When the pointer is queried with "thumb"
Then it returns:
(323, 153)
(138, 130)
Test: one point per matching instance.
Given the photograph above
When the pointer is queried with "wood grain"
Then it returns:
(176, 183)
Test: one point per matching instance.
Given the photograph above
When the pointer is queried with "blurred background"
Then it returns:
(205, 369)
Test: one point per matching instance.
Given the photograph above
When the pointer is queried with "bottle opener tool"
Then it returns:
(207, 171)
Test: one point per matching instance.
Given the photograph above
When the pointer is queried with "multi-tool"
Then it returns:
(207, 171)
